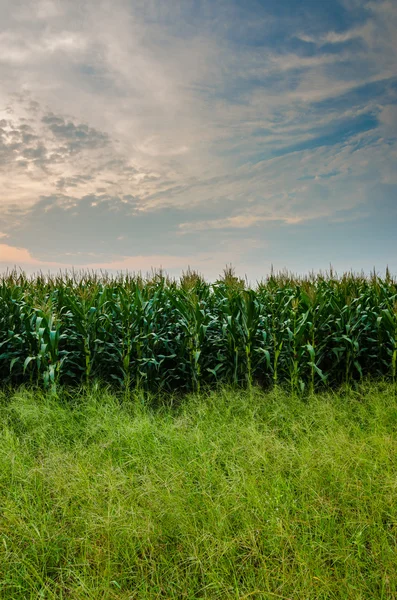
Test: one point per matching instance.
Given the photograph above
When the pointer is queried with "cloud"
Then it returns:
(42, 153)
(236, 222)
(75, 137)
(10, 256)
(388, 119)
(335, 37)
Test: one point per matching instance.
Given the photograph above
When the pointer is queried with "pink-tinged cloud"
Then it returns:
(12, 257)
(9, 255)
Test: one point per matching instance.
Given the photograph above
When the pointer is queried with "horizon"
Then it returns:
(226, 273)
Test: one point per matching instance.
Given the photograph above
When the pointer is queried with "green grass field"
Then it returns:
(229, 495)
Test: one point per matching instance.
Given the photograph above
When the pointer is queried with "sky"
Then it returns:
(139, 134)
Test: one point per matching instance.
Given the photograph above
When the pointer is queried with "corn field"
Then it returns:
(159, 334)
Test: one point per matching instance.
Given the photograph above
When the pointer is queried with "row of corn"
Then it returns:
(158, 334)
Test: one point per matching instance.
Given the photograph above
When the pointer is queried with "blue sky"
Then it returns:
(140, 134)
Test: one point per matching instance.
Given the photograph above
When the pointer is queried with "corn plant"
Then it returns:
(48, 358)
(193, 320)
(158, 334)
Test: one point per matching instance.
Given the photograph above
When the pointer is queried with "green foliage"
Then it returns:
(158, 334)
(232, 494)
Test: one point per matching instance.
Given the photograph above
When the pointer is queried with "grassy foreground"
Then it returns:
(225, 496)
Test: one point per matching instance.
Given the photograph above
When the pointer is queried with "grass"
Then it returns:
(230, 495)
